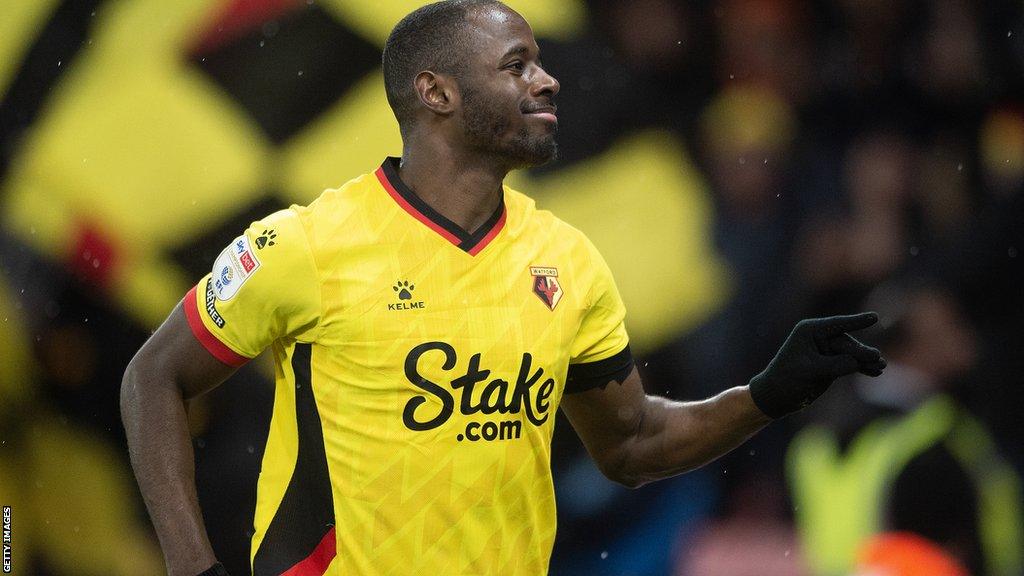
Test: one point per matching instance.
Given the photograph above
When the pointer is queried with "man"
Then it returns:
(426, 322)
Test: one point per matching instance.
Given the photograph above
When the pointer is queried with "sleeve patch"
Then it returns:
(235, 264)
(211, 305)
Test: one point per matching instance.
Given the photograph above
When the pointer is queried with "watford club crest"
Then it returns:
(546, 286)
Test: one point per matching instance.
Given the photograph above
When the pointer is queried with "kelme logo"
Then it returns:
(403, 290)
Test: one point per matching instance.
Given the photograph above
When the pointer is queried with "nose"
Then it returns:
(544, 84)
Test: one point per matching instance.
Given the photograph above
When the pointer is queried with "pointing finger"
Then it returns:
(839, 324)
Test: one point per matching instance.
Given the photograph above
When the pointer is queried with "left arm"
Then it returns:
(636, 438)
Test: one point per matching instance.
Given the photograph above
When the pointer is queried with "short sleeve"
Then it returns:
(600, 352)
(263, 286)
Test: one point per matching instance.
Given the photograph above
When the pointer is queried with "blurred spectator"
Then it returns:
(843, 254)
(898, 452)
(765, 43)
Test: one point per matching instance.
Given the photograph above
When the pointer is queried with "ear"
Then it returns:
(436, 92)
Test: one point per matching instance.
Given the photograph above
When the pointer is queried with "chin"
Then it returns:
(536, 152)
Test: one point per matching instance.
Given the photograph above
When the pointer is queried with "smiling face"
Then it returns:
(507, 99)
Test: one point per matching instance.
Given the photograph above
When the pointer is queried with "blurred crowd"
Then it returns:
(742, 164)
(859, 155)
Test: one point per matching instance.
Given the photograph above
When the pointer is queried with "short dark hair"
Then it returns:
(429, 38)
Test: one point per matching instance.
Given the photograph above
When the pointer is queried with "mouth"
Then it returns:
(546, 113)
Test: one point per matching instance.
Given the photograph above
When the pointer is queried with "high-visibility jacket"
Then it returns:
(840, 496)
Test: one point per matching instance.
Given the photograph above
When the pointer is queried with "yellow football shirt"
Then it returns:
(418, 370)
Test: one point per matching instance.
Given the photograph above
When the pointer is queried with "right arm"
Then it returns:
(170, 368)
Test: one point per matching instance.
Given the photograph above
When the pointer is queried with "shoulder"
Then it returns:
(526, 218)
(337, 205)
(343, 215)
(561, 243)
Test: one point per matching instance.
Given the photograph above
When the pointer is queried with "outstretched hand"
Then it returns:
(817, 351)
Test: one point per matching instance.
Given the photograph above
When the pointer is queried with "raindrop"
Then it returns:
(604, 554)
(787, 553)
(300, 72)
(959, 167)
(59, 62)
(1012, 252)
(743, 160)
(914, 250)
(1009, 33)
(250, 449)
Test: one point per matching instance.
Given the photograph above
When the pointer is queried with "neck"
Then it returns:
(464, 188)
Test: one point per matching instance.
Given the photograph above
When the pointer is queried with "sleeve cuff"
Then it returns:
(218, 349)
(590, 375)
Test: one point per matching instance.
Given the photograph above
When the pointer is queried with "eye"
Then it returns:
(515, 65)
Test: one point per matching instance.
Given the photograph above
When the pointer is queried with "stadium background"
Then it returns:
(740, 163)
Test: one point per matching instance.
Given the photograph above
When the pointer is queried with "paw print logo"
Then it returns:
(266, 238)
(404, 289)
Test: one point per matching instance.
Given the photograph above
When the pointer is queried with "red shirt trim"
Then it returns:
(490, 235)
(471, 243)
(413, 211)
(218, 349)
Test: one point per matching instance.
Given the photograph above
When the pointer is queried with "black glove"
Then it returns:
(816, 352)
(215, 570)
